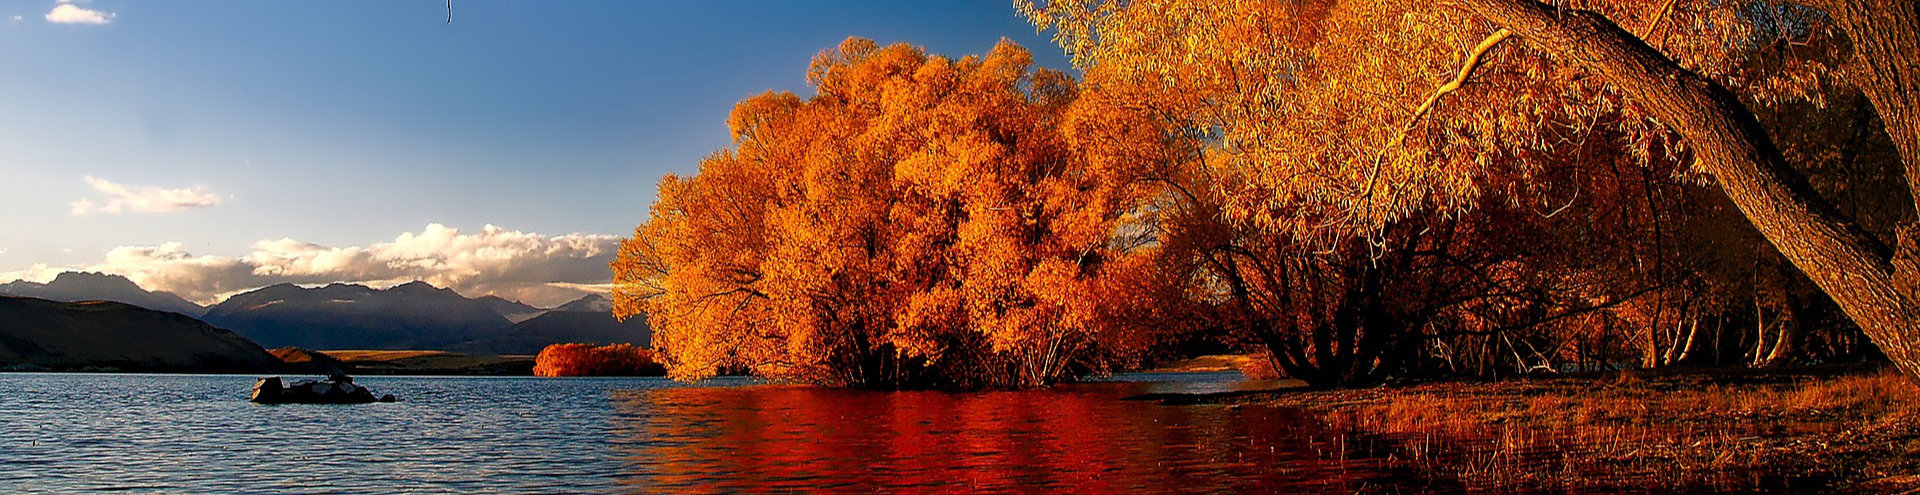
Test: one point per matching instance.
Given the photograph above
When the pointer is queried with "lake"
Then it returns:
(198, 434)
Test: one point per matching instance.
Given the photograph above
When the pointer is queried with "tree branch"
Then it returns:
(1466, 70)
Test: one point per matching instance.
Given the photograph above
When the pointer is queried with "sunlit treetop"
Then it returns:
(918, 219)
(1343, 116)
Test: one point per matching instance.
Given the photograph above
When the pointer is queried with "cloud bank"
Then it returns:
(122, 198)
(68, 13)
(528, 267)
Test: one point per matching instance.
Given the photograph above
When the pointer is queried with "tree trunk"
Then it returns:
(1886, 68)
(1850, 265)
(1795, 324)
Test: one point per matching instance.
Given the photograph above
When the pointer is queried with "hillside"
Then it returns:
(347, 316)
(513, 311)
(586, 320)
(310, 361)
(87, 286)
(103, 335)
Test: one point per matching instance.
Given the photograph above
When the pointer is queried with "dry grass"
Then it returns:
(432, 363)
(367, 355)
(1730, 430)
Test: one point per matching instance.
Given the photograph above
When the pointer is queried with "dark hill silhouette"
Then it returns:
(111, 335)
(350, 316)
(88, 286)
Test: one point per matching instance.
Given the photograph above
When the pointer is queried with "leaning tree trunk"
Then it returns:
(1849, 264)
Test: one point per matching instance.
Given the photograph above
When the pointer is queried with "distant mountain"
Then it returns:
(349, 316)
(513, 311)
(87, 286)
(592, 303)
(585, 320)
(102, 334)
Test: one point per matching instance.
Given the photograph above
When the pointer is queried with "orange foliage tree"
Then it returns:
(1333, 119)
(592, 360)
(1330, 210)
(919, 221)
(1388, 171)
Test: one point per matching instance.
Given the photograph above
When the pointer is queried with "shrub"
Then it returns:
(592, 360)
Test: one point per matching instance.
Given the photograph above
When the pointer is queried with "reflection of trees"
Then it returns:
(774, 438)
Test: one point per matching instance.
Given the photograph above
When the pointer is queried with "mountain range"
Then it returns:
(513, 311)
(414, 316)
(87, 286)
(588, 319)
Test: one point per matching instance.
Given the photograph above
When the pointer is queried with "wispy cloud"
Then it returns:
(533, 268)
(68, 13)
(122, 198)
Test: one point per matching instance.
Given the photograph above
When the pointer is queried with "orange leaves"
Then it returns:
(1312, 111)
(749, 118)
(591, 360)
(919, 221)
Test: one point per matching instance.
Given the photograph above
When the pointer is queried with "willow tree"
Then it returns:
(918, 221)
(1874, 283)
(1382, 110)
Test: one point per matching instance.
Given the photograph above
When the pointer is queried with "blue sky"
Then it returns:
(327, 127)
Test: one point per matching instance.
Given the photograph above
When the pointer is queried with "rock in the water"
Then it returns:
(267, 389)
(336, 390)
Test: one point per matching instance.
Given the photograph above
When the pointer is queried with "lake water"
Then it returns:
(198, 434)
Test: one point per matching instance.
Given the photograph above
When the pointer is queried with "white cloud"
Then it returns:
(68, 13)
(529, 267)
(122, 198)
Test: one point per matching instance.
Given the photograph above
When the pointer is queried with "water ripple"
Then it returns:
(63, 433)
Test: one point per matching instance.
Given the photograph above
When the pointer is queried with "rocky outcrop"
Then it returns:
(338, 389)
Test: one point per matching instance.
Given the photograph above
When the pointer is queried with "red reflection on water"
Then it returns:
(1081, 439)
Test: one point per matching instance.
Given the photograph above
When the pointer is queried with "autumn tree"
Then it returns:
(1872, 281)
(1495, 291)
(1325, 223)
(595, 360)
(918, 221)
(1368, 113)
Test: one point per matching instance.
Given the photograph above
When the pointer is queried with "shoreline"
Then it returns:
(357, 362)
(1852, 428)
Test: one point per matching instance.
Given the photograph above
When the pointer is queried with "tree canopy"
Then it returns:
(1357, 189)
(1343, 118)
(918, 221)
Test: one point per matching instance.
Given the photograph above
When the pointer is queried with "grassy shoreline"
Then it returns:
(422, 362)
(1853, 429)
